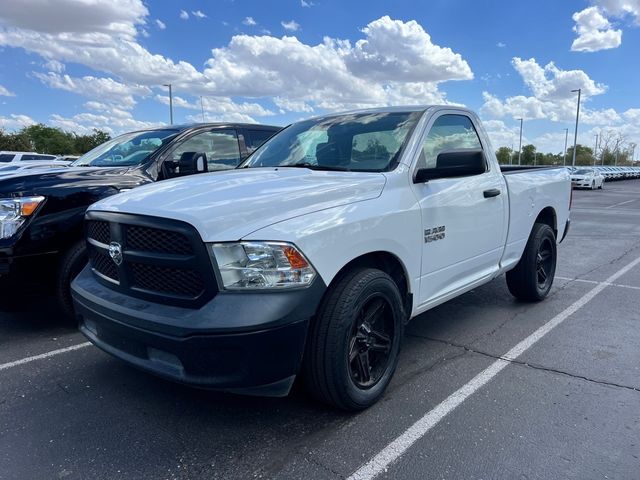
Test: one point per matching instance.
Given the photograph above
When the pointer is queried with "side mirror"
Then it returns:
(193, 162)
(454, 163)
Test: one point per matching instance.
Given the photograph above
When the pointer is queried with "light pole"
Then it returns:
(595, 151)
(170, 103)
(202, 107)
(575, 137)
(566, 137)
(520, 147)
(511, 155)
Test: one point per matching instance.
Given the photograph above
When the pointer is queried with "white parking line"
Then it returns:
(595, 282)
(394, 450)
(621, 203)
(42, 356)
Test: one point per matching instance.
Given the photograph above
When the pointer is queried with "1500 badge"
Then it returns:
(433, 234)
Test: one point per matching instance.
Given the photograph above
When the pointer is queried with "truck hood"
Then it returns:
(227, 206)
(47, 181)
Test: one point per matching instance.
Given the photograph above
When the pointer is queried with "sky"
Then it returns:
(84, 64)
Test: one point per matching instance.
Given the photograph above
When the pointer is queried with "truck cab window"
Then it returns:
(220, 146)
(449, 132)
(255, 138)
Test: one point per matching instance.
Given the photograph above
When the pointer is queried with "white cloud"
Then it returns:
(161, 25)
(393, 62)
(501, 44)
(291, 25)
(222, 107)
(4, 92)
(633, 115)
(249, 21)
(74, 16)
(54, 66)
(84, 123)
(15, 122)
(184, 15)
(306, 4)
(551, 83)
(105, 89)
(621, 8)
(394, 49)
(198, 14)
(287, 105)
(552, 97)
(594, 32)
(377, 70)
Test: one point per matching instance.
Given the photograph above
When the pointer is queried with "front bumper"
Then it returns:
(247, 342)
(581, 184)
(20, 271)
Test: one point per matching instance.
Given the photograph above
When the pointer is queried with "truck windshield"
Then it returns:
(365, 142)
(126, 150)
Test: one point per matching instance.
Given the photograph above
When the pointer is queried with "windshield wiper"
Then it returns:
(312, 166)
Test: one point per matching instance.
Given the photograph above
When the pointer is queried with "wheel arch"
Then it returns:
(388, 263)
(548, 216)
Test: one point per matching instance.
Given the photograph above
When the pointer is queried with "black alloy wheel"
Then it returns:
(544, 263)
(370, 343)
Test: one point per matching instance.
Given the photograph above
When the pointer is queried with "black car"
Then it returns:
(42, 212)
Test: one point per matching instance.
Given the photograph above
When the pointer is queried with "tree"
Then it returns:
(504, 155)
(84, 143)
(584, 155)
(49, 139)
(54, 141)
(528, 155)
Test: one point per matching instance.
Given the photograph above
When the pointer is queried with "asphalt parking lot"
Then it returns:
(564, 404)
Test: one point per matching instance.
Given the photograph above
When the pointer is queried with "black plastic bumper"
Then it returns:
(245, 342)
(26, 270)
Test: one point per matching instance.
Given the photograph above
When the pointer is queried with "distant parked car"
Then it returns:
(587, 178)
(12, 157)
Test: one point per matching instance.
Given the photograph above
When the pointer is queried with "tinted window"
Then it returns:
(255, 138)
(220, 146)
(449, 132)
(38, 157)
(6, 157)
(127, 150)
(353, 142)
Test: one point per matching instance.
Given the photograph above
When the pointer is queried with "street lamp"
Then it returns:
(575, 137)
(170, 102)
(520, 147)
(566, 137)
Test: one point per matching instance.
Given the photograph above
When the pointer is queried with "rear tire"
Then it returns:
(73, 261)
(354, 341)
(532, 277)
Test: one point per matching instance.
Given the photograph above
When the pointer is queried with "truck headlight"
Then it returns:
(14, 212)
(262, 265)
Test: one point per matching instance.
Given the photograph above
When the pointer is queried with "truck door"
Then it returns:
(463, 218)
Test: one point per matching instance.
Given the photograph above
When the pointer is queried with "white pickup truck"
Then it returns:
(311, 257)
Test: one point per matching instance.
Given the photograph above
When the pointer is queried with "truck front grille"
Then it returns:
(161, 260)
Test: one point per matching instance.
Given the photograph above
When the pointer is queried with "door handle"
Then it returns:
(492, 192)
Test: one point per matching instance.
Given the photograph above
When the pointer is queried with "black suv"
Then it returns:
(41, 212)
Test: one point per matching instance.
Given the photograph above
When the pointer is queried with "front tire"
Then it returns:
(593, 185)
(354, 341)
(73, 261)
(532, 277)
